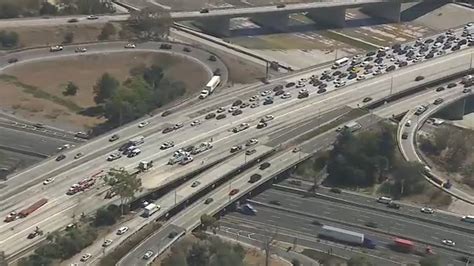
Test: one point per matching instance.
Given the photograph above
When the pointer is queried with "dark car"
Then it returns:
(438, 101)
(268, 101)
(281, 5)
(60, 157)
(321, 91)
(166, 113)
(172, 235)
(168, 130)
(264, 165)
(114, 137)
(237, 112)
(72, 20)
(12, 60)
(403, 63)
(322, 86)
(393, 205)
(335, 190)
(233, 192)
(390, 68)
(237, 103)
(210, 116)
(280, 92)
(367, 99)
(466, 90)
(187, 49)
(337, 73)
(451, 85)
(204, 10)
(235, 148)
(418, 78)
(278, 88)
(289, 84)
(371, 53)
(250, 152)
(371, 224)
(303, 95)
(254, 178)
(221, 116)
(441, 88)
(404, 135)
(275, 202)
(208, 200)
(244, 105)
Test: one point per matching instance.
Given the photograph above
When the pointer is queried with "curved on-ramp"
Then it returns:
(408, 146)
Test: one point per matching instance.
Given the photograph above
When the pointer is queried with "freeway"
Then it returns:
(61, 207)
(302, 228)
(333, 211)
(190, 216)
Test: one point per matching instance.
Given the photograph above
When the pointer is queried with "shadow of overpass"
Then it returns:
(420, 9)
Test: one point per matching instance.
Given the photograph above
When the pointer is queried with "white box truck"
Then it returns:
(150, 209)
(210, 87)
(345, 236)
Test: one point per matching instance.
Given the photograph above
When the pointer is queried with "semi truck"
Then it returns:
(210, 87)
(33, 207)
(150, 209)
(346, 236)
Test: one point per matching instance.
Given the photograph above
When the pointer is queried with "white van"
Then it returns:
(468, 218)
(384, 200)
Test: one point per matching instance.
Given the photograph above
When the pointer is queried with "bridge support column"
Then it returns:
(216, 26)
(278, 22)
(388, 11)
(454, 111)
(329, 16)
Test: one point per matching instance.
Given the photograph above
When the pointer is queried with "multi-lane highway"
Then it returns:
(288, 113)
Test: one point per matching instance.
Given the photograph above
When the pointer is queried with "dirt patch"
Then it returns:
(35, 89)
(47, 35)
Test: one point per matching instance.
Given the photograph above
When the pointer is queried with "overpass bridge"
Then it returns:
(276, 17)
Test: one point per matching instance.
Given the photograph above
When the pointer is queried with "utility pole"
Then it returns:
(391, 85)
(266, 70)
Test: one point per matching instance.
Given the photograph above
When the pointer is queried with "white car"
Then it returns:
(220, 110)
(114, 156)
(408, 123)
(253, 98)
(48, 181)
(92, 17)
(148, 255)
(130, 45)
(143, 124)
(285, 95)
(167, 145)
(232, 109)
(427, 210)
(107, 242)
(267, 118)
(195, 123)
(86, 256)
(448, 242)
(122, 230)
(65, 146)
(361, 77)
(251, 142)
(265, 93)
(78, 155)
(80, 50)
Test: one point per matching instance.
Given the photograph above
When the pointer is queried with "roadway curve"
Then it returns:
(408, 146)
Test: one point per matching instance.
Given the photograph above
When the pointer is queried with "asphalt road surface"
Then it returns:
(58, 211)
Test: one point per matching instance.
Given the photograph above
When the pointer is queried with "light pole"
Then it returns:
(391, 85)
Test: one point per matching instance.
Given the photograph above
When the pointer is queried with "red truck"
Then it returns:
(408, 246)
(81, 186)
(33, 207)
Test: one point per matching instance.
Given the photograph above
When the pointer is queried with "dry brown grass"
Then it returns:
(51, 77)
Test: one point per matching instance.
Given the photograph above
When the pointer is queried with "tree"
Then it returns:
(35, 260)
(359, 261)
(9, 10)
(107, 31)
(48, 9)
(207, 221)
(8, 39)
(152, 23)
(71, 89)
(198, 255)
(94, 7)
(68, 37)
(408, 179)
(123, 184)
(268, 244)
(430, 261)
(105, 88)
(177, 258)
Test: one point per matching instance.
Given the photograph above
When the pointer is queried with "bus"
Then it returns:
(340, 62)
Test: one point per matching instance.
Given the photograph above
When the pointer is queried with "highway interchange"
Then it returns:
(58, 212)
